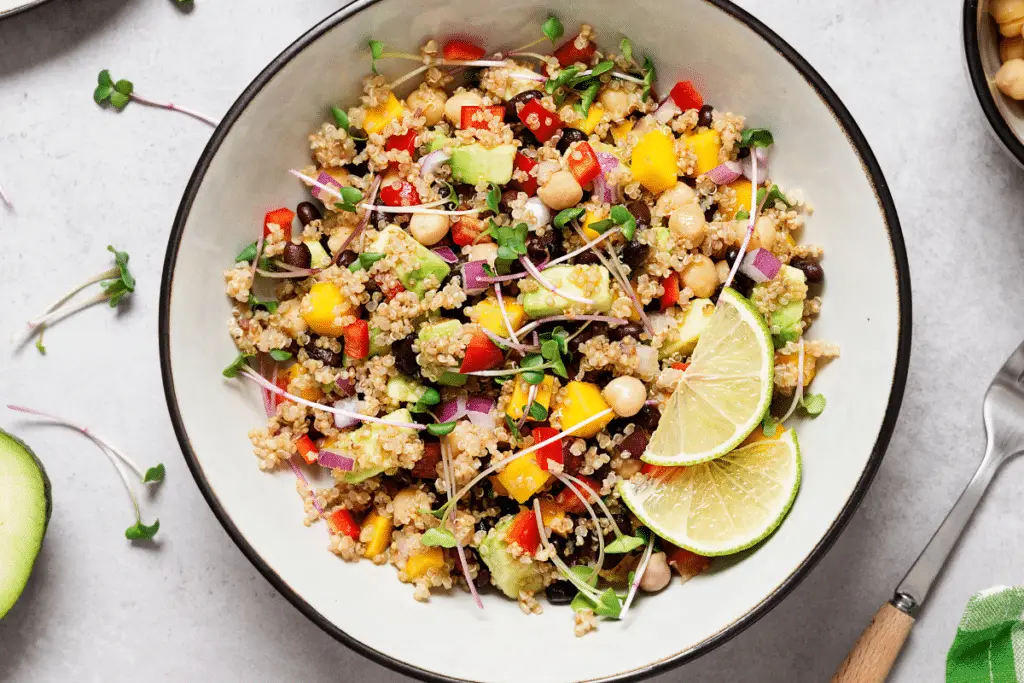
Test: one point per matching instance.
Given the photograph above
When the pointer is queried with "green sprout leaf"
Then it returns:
(430, 397)
(232, 370)
(621, 215)
(587, 97)
(39, 341)
(154, 474)
(626, 48)
(270, 305)
(769, 425)
(124, 284)
(742, 215)
(538, 412)
(649, 76)
(813, 403)
(624, 544)
(602, 226)
(247, 254)
(376, 51)
(774, 194)
(438, 536)
(350, 197)
(105, 79)
(140, 531)
(756, 137)
(609, 606)
(124, 87)
(562, 79)
(493, 197)
(119, 100)
(581, 602)
(340, 118)
(280, 355)
(563, 217)
(441, 428)
(101, 93)
(553, 29)
(513, 429)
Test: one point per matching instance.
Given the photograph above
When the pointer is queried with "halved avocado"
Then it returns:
(25, 506)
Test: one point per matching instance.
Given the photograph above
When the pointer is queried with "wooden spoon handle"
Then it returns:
(877, 648)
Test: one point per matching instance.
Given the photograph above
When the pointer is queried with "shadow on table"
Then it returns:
(51, 30)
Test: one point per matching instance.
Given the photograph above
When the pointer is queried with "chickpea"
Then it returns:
(1011, 48)
(1011, 29)
(722, 268)
(625, 395)
(485, 251)
(688, 222)
(615, 102)
(627, 468)
(428, 228)
(676, 196)
(561, 191)
(405, 505)
(1005, 11)
(431, 101)
(1010, 79)
(701, 277)
(656, 575)
(765, 231)
(453, 107)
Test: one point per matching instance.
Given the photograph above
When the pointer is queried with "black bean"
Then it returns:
(704, 116)
(359, 136)
(507, 197)
(811, 268)
(506, 505)
(561, 593)
(630, 329)
(598, 377)
(571, 463)
(692, 182)
(405, 357)
(641, 212)
(296, 255)
(569, 136)
(587, 258)
(308, 213)
(634, 254)
(542, 247)
(648, 418)
(512, 112)
(709, 213)
(347, 258)
(326, 356)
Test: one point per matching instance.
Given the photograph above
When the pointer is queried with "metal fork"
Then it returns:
(876, 650)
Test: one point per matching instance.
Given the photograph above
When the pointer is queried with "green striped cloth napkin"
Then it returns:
(989, 643)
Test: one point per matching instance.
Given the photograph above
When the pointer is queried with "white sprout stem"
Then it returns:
(99, 277)
(526, 451)
(626, 77)
(61, 313)
(174, 107)
(498, 339)
(449, 480)
(360, 229)
(621, 279)
(504, 313)
(585, 247)
(502, 373)
(750, 223)
(317, 184)
(412, 74)
(418, 209)
(472, 62)
(108, 448)
(263, 382)
(6, 199)
(527, 76)
(584, 588)
(641, 568)
(799, 393)
(529, 327)
(286, 274)
(600, 503)
(577, 333)
(529, 404)
(548, 285)
(593, 515)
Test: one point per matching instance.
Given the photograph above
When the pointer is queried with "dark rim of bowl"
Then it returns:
(885, 201)
(979, 81)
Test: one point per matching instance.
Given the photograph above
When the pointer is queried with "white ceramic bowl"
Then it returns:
(11, 7)
(740, 66)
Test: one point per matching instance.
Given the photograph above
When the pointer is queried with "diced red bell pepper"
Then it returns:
(357, 339)
(389, 285)
(282, 384)
(680, 366)
(525, 164)
(583, 163)
(481, 354)
(570, 502)
(480, 117)
(568, 53)
(541, 122)
(468, 230)
(402, 143)
(306, 448)
(686, 96)
(462, 50)
(553, 451)
(426, 466)
(523, 530)
(671, 295)
(399, 193)
(686, 563)
(282, 217)
(341, 522)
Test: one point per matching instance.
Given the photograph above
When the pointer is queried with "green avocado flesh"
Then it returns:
(393, 240)
(25, 505)
(542, 302)
(474, 164)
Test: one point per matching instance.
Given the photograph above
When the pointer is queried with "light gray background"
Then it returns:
(193, 608)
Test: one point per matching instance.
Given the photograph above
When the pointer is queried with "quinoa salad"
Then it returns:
(485, 318)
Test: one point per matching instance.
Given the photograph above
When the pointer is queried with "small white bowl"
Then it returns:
(981, 53)
(741, 66)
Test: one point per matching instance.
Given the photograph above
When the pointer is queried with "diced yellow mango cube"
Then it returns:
(706, 145)
(588, 124)
(488, 315)
(523, 477)
(654, 161)
(521, 392)
(550, 512)
(620, 131)
(583, 400)
(592, 217)
(742, 187)
(322, 306)
(422, 561)
(376, 534)
(310, 393)
(378, 117)
(810, 366)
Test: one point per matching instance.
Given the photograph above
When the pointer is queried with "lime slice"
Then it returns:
(722, 506)
(724, 392)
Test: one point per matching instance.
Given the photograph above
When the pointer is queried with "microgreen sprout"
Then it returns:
(441, 428)
(563, 217)
(5, 199)
(117, 283)
(619, 215)
(756, 137)
(350, 197)
(511, 243)
(553, 29)
(626, 48)
(119, 460)
(493, 197)
(119, 93)
(649, 76)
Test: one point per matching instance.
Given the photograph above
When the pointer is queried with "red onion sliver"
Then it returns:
(327, 179)
(452, 410)
(302, 478)
(431, 162)
(480, 404)
(352, 405)
(473, 275)
(723, 174)
(346, 387)
(446, 254)
(760, 265)
(335, 460)
(666, 110)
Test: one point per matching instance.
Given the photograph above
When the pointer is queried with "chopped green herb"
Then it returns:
(813, 403)
(140, 531)
(438, 536)
(563, 217)
(756, 137)
(237, 364)
(280, 355)
(441, 428)
(154, 474)
(553, 29)
(624, 544)
(269, 304)
(376, 50)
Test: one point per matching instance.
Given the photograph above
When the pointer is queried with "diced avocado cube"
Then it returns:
(405, 389)
(475, 163)
(392, 240)
(507, 573)
(379, 342)
(366, 444)
(543, 302)
(318, 256)
(785, 321)
(685, 328)
(452, 379)
(437, 143)
(436, 329)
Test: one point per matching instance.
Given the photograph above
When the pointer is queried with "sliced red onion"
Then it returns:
(454, 409)
(480, 404)
(667, 110)
(346, 387)
(352, 405)
(605, 191)
(431, 162)
(474, 279)
(301, 477)
(760, 265)
(446, 254)
(540, 211)
(548, 285)
(723, 174)
(325, 178)
(647, 360)
(484, 420)
(335, 460)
